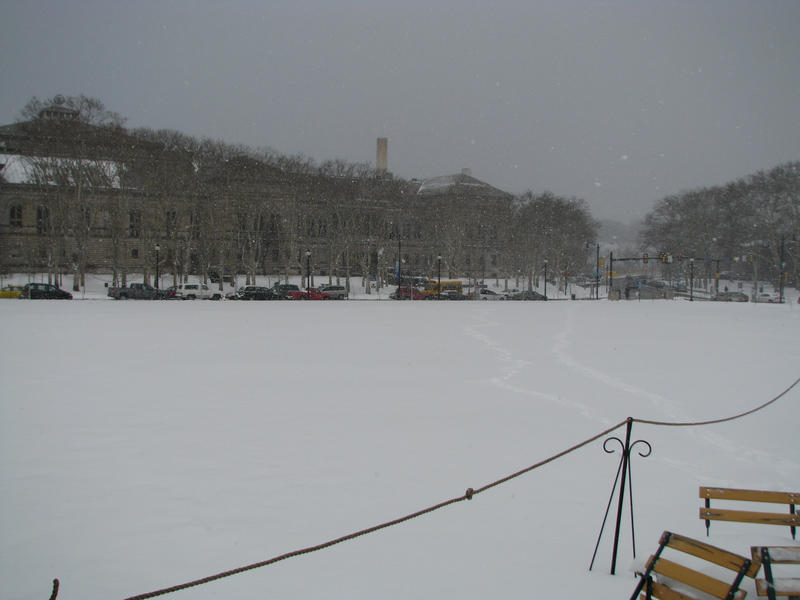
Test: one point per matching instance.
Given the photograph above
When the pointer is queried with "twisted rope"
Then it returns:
(714, 421)
(468, 495)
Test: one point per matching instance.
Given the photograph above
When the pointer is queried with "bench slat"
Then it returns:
(718, 556)
(665, 593)
(695, 579)
(786, 555)
(784, 586)
(750, 495)
(725, 514)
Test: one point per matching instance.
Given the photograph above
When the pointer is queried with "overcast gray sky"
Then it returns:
(617, 102)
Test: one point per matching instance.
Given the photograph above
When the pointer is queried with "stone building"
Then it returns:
(77, 198)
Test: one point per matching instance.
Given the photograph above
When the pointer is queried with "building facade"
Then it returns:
(75, 199)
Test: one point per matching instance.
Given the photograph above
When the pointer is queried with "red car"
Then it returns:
(406, 293)
(304, 295)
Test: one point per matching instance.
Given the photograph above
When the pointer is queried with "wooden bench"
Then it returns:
(790, 519)
(664, 578)
(771, 586)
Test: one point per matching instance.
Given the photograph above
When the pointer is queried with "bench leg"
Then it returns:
(765, 561)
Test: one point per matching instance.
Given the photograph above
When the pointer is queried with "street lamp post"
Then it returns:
(691, 279)
(439, 287)
(597, 273)
(399, 265)
(380, 269)
(308, 274)
(158, 249)
(545, 278)
(782, 270)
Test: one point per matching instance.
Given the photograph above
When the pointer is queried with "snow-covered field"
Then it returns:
(147, 444)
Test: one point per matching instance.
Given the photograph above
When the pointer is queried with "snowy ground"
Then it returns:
(147, 444)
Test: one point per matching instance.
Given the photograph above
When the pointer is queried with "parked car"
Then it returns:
(44, 291)
(487, 294)
(310, 294)
(448, 295)
(11, 291)
(527, 295)
(196, 291)
(730, 297)
(136, 291)
(765, 297)
(407, 293)
(336, 292)
(282, 289)
(254, 292)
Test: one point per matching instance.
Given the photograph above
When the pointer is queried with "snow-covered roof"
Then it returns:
(461, 183)
(17, 169)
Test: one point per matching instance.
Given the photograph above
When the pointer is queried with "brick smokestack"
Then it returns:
(381, 160)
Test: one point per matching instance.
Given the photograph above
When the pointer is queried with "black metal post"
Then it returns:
(308, 274)
(624, 471)
(158, 248)
(625, 466)
(691, 279)
(610, 272)
(545, 278)
(439, 287)
(399, 266)
(597, 274)
(783, 270)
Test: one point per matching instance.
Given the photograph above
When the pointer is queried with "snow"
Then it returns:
(148, 444)
(20, 170)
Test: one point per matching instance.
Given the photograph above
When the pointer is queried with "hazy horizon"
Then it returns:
(619, 103)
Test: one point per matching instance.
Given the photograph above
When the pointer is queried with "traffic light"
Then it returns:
(644, 258)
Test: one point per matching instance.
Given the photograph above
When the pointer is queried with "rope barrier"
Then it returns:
(468, 495)
(739, 416)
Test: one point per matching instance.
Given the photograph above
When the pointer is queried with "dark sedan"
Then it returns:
(528, 295)
(44, 291)
(255, 292)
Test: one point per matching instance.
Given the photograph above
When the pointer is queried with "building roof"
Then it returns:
(461, 184)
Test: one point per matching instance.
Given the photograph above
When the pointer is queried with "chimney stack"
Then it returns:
(381, 161)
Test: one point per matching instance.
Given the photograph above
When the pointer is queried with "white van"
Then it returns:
(196, 291)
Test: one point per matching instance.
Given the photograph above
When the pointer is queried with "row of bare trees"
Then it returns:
(210, 207)
(751, 223)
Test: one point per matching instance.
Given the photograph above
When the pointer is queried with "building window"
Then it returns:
(134, 253)
(42, 220)
(135, 223)
(15, 216)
